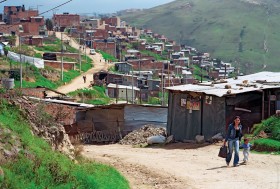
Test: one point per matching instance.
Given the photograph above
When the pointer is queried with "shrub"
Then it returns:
(268, 145)
(270, 126)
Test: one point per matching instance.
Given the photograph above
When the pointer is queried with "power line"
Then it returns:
(7, 29)
(56, 7)
(3, 1)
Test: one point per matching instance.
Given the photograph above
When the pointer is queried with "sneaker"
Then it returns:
(235, 165)
(227, 164)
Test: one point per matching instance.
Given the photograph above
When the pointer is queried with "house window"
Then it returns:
(38, 19)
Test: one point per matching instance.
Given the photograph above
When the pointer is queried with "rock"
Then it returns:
(141, 135)
(156, 139)
(8, 153)
(227, 86)
(199, 139)
(217, 137)
(262, 134)
(169, 139)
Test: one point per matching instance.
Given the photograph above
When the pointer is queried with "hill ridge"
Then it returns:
(243, 32)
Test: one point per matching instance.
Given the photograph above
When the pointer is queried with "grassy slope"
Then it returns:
(96, 95)
(34, 73)
(37, 166)
(215, 26)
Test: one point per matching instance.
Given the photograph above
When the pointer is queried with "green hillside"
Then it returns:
(28, 161)
(237, 31)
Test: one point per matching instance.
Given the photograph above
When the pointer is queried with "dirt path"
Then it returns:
(177, 166)
(78, 82)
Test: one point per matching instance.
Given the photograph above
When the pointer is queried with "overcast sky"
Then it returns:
(85, 6)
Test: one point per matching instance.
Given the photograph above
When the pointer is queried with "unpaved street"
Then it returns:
(179, 166)
(78, 82)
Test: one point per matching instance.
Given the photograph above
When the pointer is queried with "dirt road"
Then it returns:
(78, 82)
(180, 166)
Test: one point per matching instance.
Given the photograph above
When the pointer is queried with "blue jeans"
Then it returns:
(233, 143)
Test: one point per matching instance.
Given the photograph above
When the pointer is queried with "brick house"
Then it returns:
(27, 21)
(14, 14)
(34, 26)
(112, 21)
(108, 47)
(32, 40)
(65, 20)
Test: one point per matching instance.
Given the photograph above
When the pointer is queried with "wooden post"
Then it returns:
(117, 93)
(126, 95)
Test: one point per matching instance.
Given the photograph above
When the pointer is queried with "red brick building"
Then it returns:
(15, 14)
(112, 21)
(34, 26)
(65, 20)
(27, 22)
(108, 47)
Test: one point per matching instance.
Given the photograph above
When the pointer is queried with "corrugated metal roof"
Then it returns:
(64, 102)
(112, 85)
(257, 81)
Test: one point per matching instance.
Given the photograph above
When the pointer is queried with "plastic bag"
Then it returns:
(223, 152)
(156, 140)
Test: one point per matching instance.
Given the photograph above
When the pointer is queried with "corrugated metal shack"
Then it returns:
(208, 108)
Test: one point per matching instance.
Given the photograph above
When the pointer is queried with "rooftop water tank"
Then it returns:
(8, 83)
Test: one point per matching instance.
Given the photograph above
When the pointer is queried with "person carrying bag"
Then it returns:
(223, 151)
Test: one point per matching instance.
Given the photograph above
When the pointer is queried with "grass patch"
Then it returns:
(96, 95)
(267, 145)
(271, 127)
(107, 56)
(154, 100)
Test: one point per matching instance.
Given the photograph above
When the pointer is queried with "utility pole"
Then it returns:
(61, 56)
(80, 62)
(20, 61)
(168, 62)
(139, 62)
(201, 75)
(225, 71)
(91, 42)
(85, 44)
(132, 83)
(162, 95)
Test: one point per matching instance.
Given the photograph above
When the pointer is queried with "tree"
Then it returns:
(49, 24)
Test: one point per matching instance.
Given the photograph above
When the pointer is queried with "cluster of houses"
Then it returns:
(137, 71)
(194, 107)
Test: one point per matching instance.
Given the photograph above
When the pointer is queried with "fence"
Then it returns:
(39, 63)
